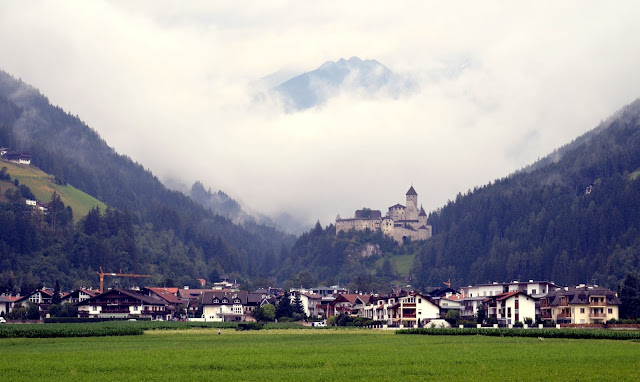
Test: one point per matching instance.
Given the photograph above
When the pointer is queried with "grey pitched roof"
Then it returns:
(412, 191)
(581, 295)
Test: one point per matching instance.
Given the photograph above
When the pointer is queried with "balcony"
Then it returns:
(544, 304)
(597, 315)
(545, 314)
(597, 303)
(409, 315)
(115, 311)
(564, 315)
(156, 312)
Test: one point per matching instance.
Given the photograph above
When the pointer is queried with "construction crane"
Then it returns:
(102, 274)
(447, 283)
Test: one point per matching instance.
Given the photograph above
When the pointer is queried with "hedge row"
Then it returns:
(67, 330)
(76, 320)
(542, 333)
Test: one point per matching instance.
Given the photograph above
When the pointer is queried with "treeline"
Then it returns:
(572, 220)
(322, 257)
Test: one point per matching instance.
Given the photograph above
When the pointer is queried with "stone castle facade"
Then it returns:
(401, 222)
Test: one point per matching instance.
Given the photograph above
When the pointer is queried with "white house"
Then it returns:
(228, 306)
(511, 307)
(404, 308)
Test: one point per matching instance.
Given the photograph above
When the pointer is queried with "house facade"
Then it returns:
(472, 297)
(402, 309)
(580, 305)
(229, 306)
(125, 303)
(16, 157)
(41, 298)
(510, 307)
(79, 295)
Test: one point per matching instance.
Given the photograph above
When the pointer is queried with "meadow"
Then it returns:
(201, 354)
(42, 187)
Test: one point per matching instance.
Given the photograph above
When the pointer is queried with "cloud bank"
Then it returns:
(172, 86)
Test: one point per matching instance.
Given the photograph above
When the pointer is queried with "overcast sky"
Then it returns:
(173, 85)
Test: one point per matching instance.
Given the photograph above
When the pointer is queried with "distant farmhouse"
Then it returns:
(401, 222)
(15, 156)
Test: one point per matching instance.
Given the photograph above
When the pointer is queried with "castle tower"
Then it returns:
(422, 217)
(412, 205)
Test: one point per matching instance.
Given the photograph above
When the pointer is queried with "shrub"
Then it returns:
(518, 324)
(528, 321)
(249, 326)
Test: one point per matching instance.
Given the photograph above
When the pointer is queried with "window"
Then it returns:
(610, 311)
(582, 310)
(533, 291)
(419, 301)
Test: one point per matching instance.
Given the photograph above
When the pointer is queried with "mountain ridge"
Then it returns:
(316, 87)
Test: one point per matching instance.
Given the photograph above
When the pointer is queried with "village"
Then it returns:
(510, 304)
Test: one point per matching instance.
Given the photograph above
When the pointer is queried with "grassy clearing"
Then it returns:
(42, 187)
(404, 263)
(315, 355)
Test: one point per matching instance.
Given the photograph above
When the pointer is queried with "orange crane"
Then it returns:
(447, 283)
(102, 274)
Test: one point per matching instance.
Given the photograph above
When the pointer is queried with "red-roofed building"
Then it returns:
(41, 298)
(510, 307)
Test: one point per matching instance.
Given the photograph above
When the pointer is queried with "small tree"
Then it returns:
(630, 297)
(56, 299)
(452, 316)
(33, 313)
(480, 314)
(284, 308)
(298, 307)
(268, 312)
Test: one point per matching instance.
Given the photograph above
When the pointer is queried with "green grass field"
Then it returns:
(404, 263)
(314, 355)
(42, 187)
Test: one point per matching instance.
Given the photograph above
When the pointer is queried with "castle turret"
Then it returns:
(412, 205)
(422, 217)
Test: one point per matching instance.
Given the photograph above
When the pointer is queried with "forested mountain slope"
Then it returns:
(573, 218)
(63, 146)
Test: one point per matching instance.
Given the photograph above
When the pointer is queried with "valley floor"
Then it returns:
(314, 355)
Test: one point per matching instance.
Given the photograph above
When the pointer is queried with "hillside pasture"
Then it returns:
(42, 187)
(315, 355)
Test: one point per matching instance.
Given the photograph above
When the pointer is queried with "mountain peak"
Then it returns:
(314, 88)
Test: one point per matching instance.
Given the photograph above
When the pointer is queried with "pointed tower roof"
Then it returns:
(412, 191)
(422, 213)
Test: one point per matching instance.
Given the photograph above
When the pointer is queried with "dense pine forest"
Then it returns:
(573, 218)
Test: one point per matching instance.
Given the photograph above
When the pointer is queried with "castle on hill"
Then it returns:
(401, 222)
